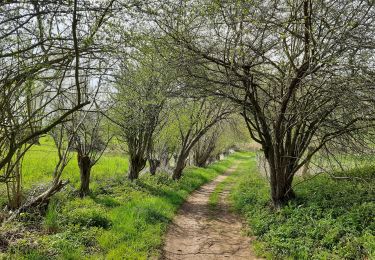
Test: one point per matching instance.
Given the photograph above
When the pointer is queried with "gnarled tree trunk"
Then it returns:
(180, 166)
(154, 164)
(84, 163)
(281, 189)
(137, 164)
(282, 170)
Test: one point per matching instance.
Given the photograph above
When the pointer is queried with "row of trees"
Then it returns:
(167, 77)
(155, 120)
(301, 71)
(78, 72)
(48, 49)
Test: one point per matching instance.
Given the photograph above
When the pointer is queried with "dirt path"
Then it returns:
(199, 233)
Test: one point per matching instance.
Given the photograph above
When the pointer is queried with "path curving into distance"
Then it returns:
(197, 232)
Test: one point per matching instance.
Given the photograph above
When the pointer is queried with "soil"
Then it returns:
(198, 232)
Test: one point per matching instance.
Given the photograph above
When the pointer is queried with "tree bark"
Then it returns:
(180, 166)
(55, 187)
(137, 164)
(84, 163)
(281, 181)
(14, 187)
(154, 164)
(281, 192)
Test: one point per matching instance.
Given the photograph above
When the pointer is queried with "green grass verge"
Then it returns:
(241, 158)
(121, 220)
(330, 219)
(215, 196)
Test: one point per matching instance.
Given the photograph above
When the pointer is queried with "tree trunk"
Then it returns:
(154, 164)
(281, 183)
(281, 178)
(84, 163)
(55, 187)
(281, 192)
(200, 159)
(203, 150)
(164, 162)
(14, 187)
(180, 166)
(137, 164)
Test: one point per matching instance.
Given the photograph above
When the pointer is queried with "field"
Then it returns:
(119, 219)
(40, 161)
(331, 218)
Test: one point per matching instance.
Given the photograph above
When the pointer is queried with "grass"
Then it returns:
(120, 220)
(214, 198)
(40, 161)
(215, 195)
(51, 220)
(330, 219)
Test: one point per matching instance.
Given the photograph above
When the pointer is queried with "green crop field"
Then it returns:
(40, 161)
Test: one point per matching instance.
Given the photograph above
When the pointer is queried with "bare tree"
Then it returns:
(194, 119)
(90, 139)
(205, 147)
(13, 170)
(64, 156)
(299, 69)
(90, 143)
(139, 101)
(41, 42)
(87, 129)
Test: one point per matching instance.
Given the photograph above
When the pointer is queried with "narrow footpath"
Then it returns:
(198, 232)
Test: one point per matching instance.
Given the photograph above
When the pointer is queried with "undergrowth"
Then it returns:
(226, 184)
(120, 220)
(330, 219)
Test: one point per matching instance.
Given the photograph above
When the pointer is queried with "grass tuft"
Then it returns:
(51, 220)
